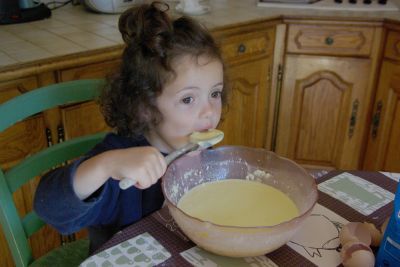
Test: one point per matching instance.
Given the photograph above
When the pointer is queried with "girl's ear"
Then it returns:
(144, 114)
(148, 115)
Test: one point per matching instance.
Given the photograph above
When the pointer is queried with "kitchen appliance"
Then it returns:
(12, 11)
(109, 6)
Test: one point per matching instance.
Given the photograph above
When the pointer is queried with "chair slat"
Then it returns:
(31, 223)
(12, 226)
(44, 160)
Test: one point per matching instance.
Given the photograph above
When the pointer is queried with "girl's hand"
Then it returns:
(145, 165)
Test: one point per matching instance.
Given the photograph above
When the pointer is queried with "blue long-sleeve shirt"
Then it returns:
(106, 211)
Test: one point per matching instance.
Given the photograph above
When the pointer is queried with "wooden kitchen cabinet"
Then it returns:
(383, 148)
(326, 95)
(84, 118)
(246, 120)
(248, 55)
(323, 110)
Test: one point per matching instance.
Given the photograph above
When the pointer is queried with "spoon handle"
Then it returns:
(179, 152)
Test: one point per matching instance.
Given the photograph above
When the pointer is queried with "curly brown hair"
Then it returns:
(152, 42)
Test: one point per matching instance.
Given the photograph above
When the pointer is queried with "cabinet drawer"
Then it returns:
(92, 71)
(392, 48)
(330, 40)
(244, 46)
(17, 87)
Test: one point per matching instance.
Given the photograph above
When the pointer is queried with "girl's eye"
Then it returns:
(216, 94)
(187, 100)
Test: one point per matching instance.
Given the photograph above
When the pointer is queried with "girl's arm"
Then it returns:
(143, 164)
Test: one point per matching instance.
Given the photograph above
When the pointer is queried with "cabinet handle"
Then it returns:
(329, 40)
(60, 134)
(49, 138)
(241, 48)
(376, 119)
(61, 138)
(353, 118)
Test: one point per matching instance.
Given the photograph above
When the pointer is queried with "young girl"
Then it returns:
(170, 84)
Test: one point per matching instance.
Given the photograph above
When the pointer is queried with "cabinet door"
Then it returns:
(85, 118)
(383, 149)
(323, 110)
(16, 142)
(245, 123)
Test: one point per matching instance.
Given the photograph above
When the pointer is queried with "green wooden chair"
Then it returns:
(17, 230)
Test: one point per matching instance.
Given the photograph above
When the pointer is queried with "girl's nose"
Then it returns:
(207, 109)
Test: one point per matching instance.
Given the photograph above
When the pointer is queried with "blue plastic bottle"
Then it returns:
(389, 250)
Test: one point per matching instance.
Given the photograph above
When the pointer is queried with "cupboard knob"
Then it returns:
(329, 40)
(241, 48)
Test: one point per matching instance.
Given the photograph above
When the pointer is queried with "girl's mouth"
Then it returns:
(205, 129)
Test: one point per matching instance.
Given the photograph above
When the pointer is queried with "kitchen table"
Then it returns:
(162, 227)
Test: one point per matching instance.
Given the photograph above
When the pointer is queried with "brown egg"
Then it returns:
(376, 235)
(355, 231)
(357, 254)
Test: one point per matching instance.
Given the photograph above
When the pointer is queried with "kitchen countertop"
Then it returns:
(73, 30)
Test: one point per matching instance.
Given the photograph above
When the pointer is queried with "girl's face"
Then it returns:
(190, 102)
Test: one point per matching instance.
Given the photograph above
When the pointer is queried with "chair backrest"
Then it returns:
(17, 230)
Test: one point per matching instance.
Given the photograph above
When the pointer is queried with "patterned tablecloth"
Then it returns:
(162, 227)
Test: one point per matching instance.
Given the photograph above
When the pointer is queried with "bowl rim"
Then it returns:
(301, 216)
